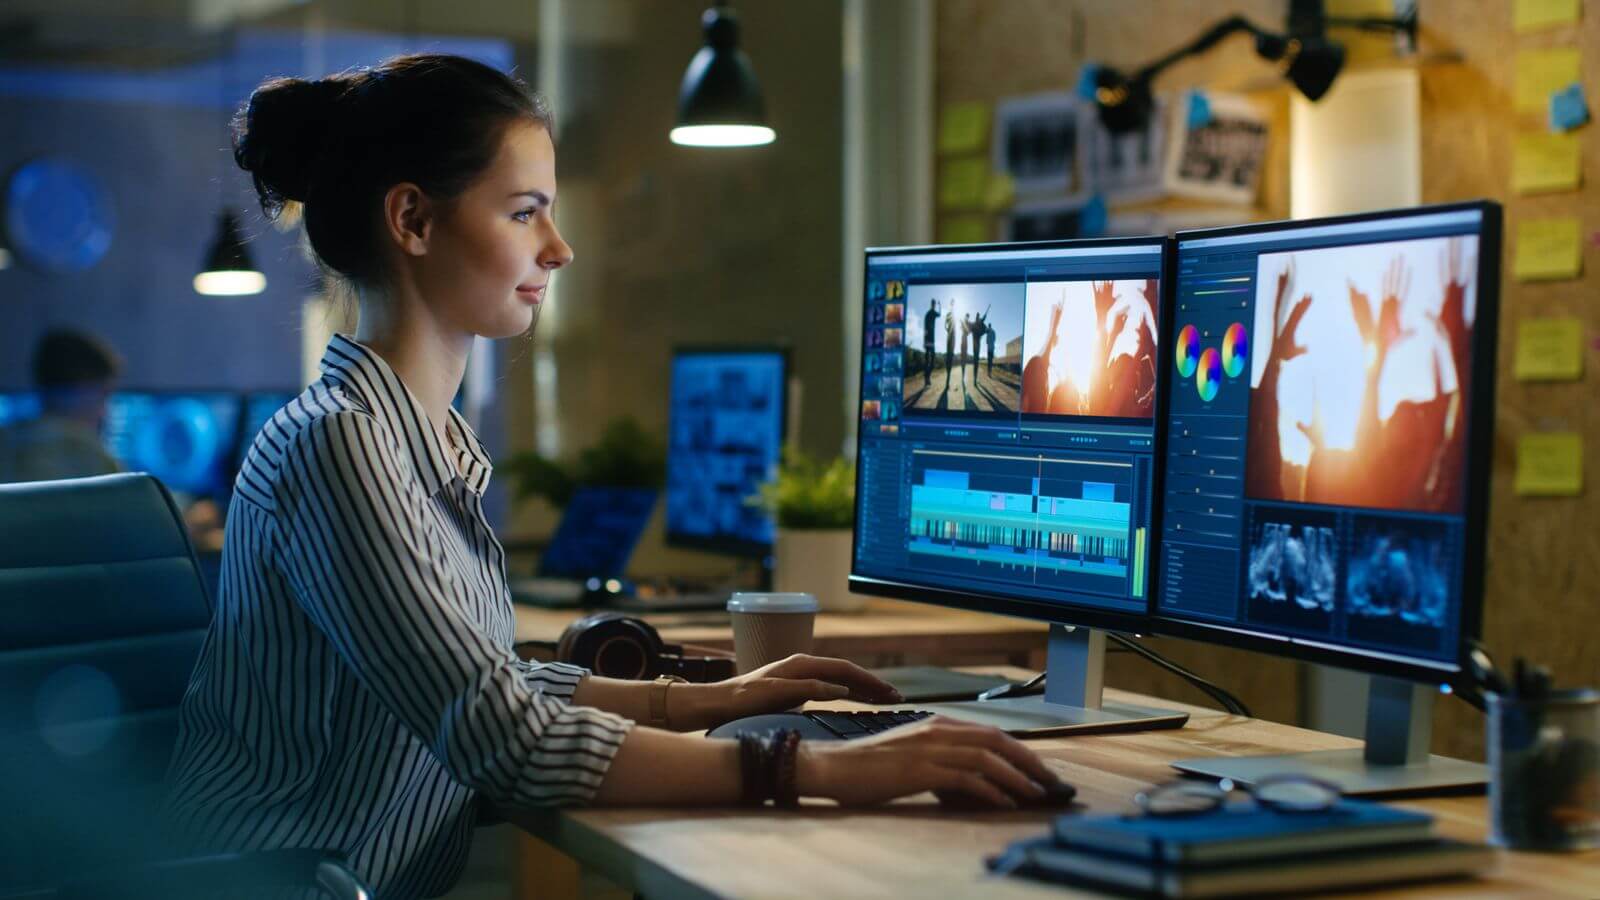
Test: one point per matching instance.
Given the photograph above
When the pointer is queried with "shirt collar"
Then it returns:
(363, 372)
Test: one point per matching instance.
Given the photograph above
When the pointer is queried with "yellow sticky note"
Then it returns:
(963, 230)
(1532, 15)
(1548, 249)
(1000, 193)
(1550, 350)
(1546, 162)
(961, 183)
(1550, 465)
(964, 127)
(1541, 73)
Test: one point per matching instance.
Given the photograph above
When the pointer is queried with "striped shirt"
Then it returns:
(357, 690)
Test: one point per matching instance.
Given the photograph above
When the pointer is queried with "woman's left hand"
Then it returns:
(775, 687)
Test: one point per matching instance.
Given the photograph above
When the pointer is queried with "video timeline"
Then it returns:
(1060, 523)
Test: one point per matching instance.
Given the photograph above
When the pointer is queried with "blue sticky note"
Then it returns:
(1087, 78)
(1568, 108)
(1199, 110)
(1092, 218)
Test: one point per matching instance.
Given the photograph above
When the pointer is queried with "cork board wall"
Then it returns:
(1544, 553)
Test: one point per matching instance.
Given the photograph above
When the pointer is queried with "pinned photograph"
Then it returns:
(1221, 159)
(1127, 168)
(1036, 141)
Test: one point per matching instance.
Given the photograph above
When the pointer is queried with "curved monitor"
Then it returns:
(1006, 454)
(1328, 410)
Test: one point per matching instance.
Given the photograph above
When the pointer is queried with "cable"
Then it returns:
(1229, 702)
(1033, 685)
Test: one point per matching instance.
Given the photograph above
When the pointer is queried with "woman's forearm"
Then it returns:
(690, 707)
(703, 772)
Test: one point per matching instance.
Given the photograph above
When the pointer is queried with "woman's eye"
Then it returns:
(524, 215)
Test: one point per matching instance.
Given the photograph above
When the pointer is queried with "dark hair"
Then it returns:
(337, 144)
(66, 358)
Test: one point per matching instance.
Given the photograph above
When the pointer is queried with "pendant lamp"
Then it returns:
(719, 102)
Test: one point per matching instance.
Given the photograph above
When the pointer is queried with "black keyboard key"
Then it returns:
(842, 724)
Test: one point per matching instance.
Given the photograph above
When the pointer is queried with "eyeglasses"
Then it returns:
(1283, 793)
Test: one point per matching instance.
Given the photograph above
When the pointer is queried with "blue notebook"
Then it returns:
(1241, 832)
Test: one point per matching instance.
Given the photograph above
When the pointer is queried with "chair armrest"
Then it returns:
(223, 875)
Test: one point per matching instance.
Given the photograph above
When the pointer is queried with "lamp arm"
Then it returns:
(1212, 36)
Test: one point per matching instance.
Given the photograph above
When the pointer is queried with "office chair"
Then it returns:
(102, 614)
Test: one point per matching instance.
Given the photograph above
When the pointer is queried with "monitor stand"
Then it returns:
(1072, 701)
(1394, 762)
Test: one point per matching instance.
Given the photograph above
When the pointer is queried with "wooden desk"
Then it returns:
(912, 848)
(886, 633)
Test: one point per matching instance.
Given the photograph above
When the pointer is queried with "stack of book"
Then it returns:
(1245, 849)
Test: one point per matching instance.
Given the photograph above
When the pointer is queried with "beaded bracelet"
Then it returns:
(767, 765)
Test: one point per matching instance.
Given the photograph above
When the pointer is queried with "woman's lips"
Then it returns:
(531, 293)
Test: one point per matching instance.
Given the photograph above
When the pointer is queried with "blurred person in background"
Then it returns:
(73, 373)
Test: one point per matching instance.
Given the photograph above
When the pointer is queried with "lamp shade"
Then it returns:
(1124, 103)
(228, 269)
(1313, 64)
(719, 102)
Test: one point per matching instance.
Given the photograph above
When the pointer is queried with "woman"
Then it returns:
(357, 689)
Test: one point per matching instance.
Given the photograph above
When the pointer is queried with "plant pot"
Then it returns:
(817, 562)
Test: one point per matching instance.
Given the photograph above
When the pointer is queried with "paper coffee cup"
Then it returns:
(768, 627)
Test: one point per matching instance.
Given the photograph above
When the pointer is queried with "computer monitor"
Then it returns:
(15, 406)
(1328, 405)
(185, 439)
(725, 424)
(1006, 450)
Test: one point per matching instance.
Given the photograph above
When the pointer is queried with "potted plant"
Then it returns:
(625, 456)
(814, 506)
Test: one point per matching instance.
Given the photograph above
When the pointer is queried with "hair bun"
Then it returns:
(279, 135)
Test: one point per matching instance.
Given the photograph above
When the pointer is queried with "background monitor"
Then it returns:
(185, 439)
(1007, 437)
(1328, 437)
(15, 406)
(725, 435)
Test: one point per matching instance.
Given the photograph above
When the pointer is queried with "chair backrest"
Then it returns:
(102, 613)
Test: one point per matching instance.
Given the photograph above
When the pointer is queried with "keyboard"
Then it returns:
(822, 725)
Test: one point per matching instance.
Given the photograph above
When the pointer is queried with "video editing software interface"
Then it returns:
(1316, 457)
(725, 426)
(1007, 433)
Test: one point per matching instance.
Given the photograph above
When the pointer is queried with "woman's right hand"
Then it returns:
(959, 761)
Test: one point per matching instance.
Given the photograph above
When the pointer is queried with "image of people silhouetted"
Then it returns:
(929, 323)
(73, 373)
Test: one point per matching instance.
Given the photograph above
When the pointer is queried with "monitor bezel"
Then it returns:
(1480, 438)
(726, 546)
(1017, 607)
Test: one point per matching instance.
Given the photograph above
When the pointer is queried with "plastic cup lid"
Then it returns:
(772, 603)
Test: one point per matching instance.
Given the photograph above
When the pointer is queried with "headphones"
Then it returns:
(613, 645)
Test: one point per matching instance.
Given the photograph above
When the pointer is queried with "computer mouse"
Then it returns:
(1056, 796)
(809, 729)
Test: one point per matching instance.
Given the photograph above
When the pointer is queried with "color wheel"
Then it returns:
(1235, 350)
(1188, 350)
(1209, 376)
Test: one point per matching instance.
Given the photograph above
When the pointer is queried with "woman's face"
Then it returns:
(493, 250)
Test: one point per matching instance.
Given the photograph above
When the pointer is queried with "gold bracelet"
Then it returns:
(658, 699)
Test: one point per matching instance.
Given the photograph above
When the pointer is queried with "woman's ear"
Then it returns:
(408, 218)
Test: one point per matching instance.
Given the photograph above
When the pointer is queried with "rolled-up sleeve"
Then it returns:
(367, 561)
